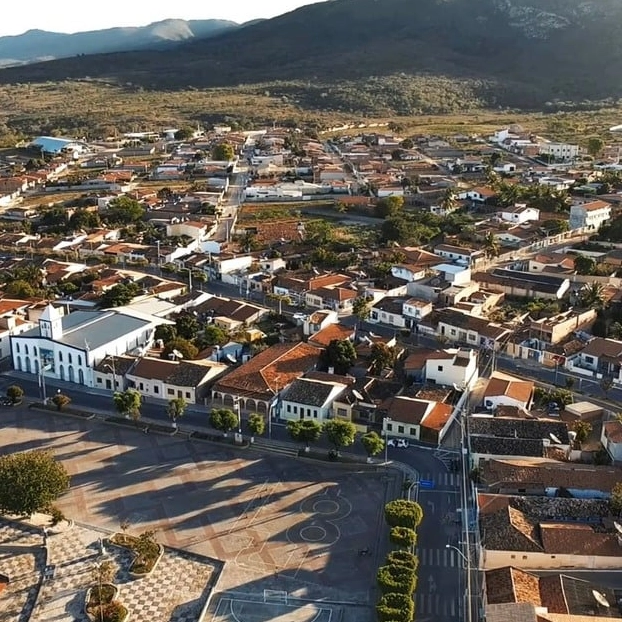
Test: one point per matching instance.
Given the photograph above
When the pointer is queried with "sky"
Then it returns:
(78, 16)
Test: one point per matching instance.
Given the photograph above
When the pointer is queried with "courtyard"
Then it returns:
(288, 529)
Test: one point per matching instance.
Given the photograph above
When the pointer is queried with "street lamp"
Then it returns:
(455, 548)
(236, 405)
(114, 373)
(385, 422)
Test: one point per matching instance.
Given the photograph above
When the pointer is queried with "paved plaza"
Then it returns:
(284, 526)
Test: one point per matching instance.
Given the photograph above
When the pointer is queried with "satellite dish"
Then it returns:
(554, 438)
(618, 527)
(357, 395)
(177, 354)
(600, 599)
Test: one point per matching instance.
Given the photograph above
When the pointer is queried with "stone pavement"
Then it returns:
(176, 591)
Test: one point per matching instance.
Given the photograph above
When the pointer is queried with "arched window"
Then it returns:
(69, 358)
(79, 359)
(26, 348)
(60, 357)
(17, 347)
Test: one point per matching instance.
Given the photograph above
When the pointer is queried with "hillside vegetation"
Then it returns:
(516, 53)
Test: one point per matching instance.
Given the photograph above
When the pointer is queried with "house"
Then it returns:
(318, 320)
(415, 309)
(528, 532)
(460, 255)
(611, 439)
(338, 299)
(600, 357)
(557, 328)
(405, 416)
(506, 390)
(558, 594)
(388, 311)
(256, 383)
(110, 372)
(552, 263)
(547, 477)
(466, 329)
(524, 284)
(166, 380)
(332, 332)
(67, 347)
(591, 215)
(559, 151)
(519, 214)
(308, 398)
(228, 313)
(480, 194)
(452, 367)
(415, 363)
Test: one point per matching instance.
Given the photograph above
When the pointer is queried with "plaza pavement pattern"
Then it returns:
(282, 525)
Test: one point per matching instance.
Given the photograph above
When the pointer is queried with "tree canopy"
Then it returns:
(339, 432)
(340, 354)
(223, 419)
(223, 152)
(30, 482)
(305, 431)
(128, 403)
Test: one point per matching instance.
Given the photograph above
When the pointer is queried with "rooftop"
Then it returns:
(312, 392)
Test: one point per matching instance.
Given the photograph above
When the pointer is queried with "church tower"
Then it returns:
(50, 323)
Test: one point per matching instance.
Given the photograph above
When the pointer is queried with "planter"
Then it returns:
(110, 593)
(139, 567)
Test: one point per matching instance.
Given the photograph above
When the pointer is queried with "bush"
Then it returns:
(114, 612)
(396, 579)
(395, 608)
(56, 515)
(15, 393)
(403, 536)
(403, 558)
(402, 513)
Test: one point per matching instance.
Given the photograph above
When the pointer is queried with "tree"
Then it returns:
(396, 229)
(124, 211)
(186, 348)
(15, 393)
(555, 226)
(256, 424)
(583, 264)
(403, 558)
(382, 357)
(119, 295)
(360, 308)
(223, 419)
(592, 295)
(319, 232)
(20, 289)
(223, 152)
(492, 247)
(403, 536)
(339, 355)
(449, 202)
(582, 429)
(215, 336)
(402, 513)
(165, 332)
(185, 133)
(305, 431)
(30, 482)
(186, 326)
(60, 401)
(128, 403)
(615, 501)
(176, 409)
(389, 206)
(373, 443)
(595, 145)
(340, 433)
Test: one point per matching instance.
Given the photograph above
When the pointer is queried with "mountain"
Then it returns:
(37, 45)
(511, 52)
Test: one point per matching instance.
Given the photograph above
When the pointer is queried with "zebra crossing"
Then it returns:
(442, 606)
(445, 558)
(443, 480)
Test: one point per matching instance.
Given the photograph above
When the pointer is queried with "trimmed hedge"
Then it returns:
(395, 608)
(393, 579)
(402, 513)
(402, 536)
(403, 558)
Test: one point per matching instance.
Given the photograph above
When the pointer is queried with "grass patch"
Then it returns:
(145, 548)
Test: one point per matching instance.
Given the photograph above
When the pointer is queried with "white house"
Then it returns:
(416, 309)
(306, 398)
(591, 215)
(409, 272)
(454, 366)
(194, 229)
(506, 390)
(458, 254)
(481, 194)
(388, 310)
(611, 439)
(519, 214)
(67, 347)
(318, 320)
(560, 151)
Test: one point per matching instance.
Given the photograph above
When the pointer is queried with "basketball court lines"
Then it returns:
(275, 606)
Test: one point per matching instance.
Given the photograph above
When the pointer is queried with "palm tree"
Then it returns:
(449, 202)
(491, 245)
(593, 295)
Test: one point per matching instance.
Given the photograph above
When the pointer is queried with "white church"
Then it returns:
(67, 347)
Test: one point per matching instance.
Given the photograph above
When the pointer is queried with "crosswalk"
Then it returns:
(445, 558)
(442, 606)
(443, 480)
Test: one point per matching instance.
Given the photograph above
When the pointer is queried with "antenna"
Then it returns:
(600, 598)
(555, 439)
(357, 395)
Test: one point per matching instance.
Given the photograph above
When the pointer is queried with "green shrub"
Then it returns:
(403, 558)
(402, 536)
(56, 515)
(395, 608)
(402, 513)
(394, 579)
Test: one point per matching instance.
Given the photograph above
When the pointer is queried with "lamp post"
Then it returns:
(455, 548)
(385, 422)
(236, 405)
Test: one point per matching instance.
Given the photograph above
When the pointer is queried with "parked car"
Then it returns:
(398, 442)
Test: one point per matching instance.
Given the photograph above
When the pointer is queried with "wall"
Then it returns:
(518, 559)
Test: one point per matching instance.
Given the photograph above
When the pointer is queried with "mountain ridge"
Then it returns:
(526, 52)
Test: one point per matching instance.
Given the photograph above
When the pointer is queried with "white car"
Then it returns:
(398, 442)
